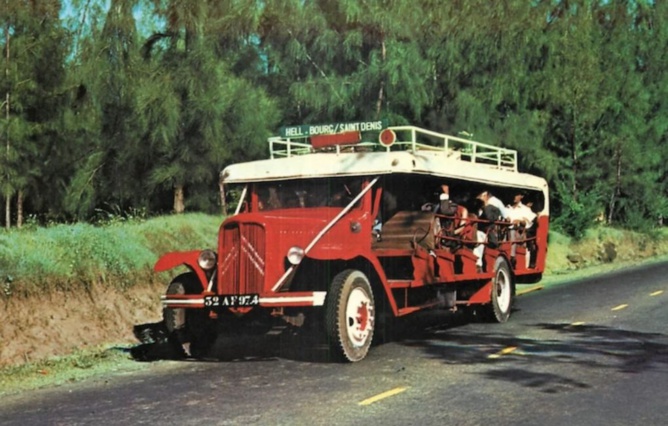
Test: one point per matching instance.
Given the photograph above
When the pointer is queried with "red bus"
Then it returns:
(336, 229)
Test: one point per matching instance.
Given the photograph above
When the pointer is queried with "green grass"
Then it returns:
(558, 249)
(65, 256)
(59, 371)
(597, 246)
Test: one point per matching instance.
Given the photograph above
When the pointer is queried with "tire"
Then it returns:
(503, 291)
(350, 316)
(191, 331)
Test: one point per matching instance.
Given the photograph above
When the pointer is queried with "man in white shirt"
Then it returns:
(491, 204)
(518, 213)
(521, 218)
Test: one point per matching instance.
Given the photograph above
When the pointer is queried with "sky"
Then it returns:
(68, 11)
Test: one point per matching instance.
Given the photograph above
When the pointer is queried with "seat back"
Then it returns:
(405, 228)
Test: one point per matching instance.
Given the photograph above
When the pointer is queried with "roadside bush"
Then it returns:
(67, 256)
(576, 218)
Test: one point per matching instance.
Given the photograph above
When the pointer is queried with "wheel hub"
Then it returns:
(503, 291)
(359, 317)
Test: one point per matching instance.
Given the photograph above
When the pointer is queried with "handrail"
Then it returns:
(504, 226)
(413, 139)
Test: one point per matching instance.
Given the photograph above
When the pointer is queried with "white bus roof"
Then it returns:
(322, 165)
(420, 152)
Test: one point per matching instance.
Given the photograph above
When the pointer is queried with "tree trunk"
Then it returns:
(223, 204)
(379, 102)
(8, 211)
(617, 190)
(574, 167)
(8, 207)
(179, 206)
(19, 208)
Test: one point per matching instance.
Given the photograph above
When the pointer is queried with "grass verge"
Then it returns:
(78, 366)
(72, 257)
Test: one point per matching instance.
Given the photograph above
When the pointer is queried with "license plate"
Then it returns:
(231, 301)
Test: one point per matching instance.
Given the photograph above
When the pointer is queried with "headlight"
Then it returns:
(295, 255)
(207, 260)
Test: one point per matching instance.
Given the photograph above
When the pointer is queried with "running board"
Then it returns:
(410, 309)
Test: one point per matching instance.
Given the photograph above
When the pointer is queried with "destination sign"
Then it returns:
(306, 130)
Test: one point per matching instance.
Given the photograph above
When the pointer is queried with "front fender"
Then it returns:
(346, 255)
(182, 258)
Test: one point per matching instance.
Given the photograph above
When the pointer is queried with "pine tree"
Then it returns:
(110, 173)
(35, 47)
(337, 61)
(199, 113)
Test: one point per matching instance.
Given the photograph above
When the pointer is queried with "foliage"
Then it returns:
(139, 104)
(32, 79)
(576, 216)
(71, 256)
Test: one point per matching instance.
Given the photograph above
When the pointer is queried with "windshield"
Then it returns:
(307, 193)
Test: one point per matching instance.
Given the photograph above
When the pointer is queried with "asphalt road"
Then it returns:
(591, 352)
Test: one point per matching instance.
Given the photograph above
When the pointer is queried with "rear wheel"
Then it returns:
(503, 291)
(350, 315)
(190, 330)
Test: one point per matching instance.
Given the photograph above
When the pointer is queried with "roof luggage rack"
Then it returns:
(412, 139)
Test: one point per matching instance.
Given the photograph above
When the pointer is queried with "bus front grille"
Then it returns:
(242, 265)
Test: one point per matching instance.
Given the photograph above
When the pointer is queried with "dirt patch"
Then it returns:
(57, 324)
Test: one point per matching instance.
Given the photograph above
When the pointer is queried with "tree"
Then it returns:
(191, 104)
(334, 61)
(112, 173)
(652, 19)
(622, 127)
(35, 48)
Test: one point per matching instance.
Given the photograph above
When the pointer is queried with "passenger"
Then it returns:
(387, 209)
(461, 218)
(442, 206)
(519, 214)
(521, 219)
(480, 238)
(445, 206)
(493, 208)
(272, 201)
(377, 229)
(492, 211)
(340, 198)
(302, 197)
(452, 220)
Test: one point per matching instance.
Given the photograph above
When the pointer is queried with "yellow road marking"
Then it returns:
(620, 307)
(577, 324)
(656, 293)
(505, 351)
(529, 290)
(383, 395)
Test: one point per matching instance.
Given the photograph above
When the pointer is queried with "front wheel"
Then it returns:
(350, 315)
(503, 291)
(190, 330)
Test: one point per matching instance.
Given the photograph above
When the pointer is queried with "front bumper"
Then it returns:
(272, 300)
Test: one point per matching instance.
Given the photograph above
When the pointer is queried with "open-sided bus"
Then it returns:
(336, 227)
